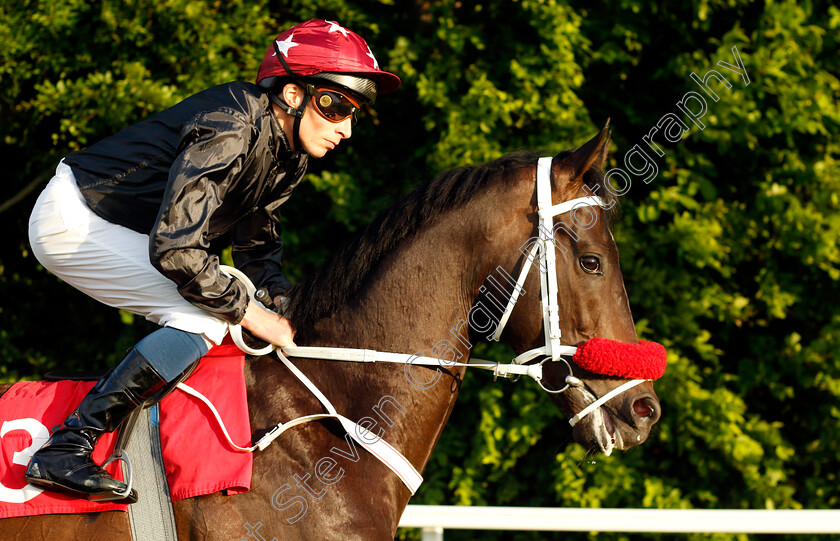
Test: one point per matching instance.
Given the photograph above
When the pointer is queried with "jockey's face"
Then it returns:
(318, 135)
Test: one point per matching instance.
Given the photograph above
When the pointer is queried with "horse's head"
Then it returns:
(592, 303)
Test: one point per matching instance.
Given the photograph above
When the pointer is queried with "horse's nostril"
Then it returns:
(642, 408)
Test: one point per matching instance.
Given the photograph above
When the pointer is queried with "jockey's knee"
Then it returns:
(171, 351)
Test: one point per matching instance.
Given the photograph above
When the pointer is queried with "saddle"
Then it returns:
(169, 432)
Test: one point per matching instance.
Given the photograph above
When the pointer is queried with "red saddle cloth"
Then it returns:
(30, 409)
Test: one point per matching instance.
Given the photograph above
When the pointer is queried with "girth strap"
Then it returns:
(152, 517)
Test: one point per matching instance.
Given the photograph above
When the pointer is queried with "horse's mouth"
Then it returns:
(606, 436)
(619, 423)
(599, 431)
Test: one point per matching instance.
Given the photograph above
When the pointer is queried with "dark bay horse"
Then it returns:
(403, 285)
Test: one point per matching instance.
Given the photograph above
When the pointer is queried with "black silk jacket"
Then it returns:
(218, 162)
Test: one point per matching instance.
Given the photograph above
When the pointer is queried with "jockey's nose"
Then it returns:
(345, 128)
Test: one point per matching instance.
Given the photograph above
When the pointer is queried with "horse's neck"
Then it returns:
(408, 301)
(424, 287)
(417, 301)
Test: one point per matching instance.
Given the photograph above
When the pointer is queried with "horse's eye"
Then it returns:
(590, 264)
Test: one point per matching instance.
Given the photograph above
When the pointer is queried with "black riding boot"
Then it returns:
(64, 461)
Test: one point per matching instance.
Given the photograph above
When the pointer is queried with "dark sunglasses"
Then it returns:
(333, 105)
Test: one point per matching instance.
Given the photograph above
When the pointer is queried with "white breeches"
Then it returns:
(109, 262)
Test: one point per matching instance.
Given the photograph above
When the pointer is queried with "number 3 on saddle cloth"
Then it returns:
(30, 409)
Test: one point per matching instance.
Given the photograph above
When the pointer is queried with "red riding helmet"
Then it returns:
(319, 49)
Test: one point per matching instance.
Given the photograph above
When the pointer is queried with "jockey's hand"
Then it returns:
(281, 303)
(268, 326)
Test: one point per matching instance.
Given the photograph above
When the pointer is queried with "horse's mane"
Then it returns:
(343, 274)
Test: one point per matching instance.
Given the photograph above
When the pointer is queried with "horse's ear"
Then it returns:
(592, 152)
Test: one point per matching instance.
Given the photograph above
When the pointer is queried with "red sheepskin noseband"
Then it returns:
(645, 360)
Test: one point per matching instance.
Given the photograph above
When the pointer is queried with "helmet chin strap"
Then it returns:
(296, 112)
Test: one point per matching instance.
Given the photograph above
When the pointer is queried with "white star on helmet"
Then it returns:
(375, 63)
(285, 45)
(335, 27)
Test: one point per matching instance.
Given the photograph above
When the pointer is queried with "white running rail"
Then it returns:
(434, 519)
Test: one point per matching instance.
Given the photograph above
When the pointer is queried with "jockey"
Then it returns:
(129, 221)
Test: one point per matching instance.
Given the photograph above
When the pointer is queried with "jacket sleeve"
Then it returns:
(211, 158)
(257, 242)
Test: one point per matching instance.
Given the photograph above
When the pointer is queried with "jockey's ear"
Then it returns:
(592, 152)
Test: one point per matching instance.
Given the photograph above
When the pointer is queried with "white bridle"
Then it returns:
(553, 350)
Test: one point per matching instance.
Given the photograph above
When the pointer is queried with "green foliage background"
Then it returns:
(730, 254)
